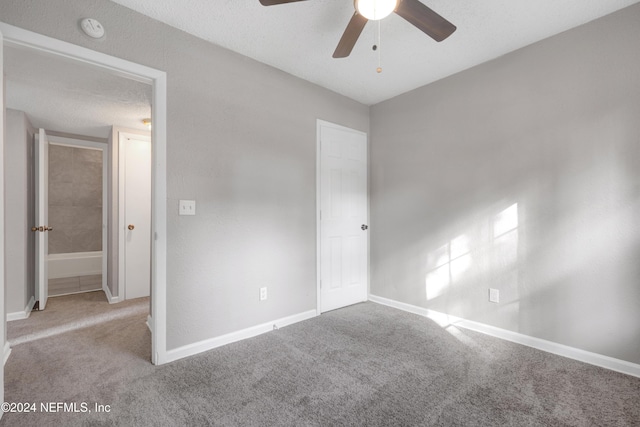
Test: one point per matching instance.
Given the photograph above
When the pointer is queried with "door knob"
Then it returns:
(364, 227)
(34, 228)
(130, 227)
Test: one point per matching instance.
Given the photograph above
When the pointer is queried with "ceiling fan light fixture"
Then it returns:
(374, 10)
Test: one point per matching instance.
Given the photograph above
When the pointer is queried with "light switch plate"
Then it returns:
(494, 295)
(187, 207)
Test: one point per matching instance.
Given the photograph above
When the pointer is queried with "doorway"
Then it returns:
(77, 204)
(343, 238)
(23, 39)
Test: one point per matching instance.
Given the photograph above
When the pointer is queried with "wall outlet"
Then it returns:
(263, 294)
(494, 295)
(187, 207)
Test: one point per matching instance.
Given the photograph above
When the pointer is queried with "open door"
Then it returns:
(42, 218)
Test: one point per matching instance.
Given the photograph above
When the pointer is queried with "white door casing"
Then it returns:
(343, 216)
(135, 214)
(2, 284)
(42, 218)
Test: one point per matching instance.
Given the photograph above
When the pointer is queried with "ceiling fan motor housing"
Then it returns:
(374, 10)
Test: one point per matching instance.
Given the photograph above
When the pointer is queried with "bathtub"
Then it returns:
(75, 264)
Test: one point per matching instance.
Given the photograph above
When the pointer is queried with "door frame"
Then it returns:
(122, 285)
(4, 344)
(21, 38)
(319, 125)
(102, 146)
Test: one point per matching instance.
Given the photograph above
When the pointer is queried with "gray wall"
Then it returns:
(19, 213)
(551, 131)
(241, 142)
(75, 199)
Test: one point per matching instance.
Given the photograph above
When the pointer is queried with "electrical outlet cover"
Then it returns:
(494, 295)
(187, 207)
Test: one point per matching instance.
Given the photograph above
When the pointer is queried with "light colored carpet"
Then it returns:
(362, 365)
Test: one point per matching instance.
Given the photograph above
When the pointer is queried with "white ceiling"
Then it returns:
(300, 38)
(65, 96)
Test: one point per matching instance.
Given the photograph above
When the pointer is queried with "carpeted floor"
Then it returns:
(366, 365)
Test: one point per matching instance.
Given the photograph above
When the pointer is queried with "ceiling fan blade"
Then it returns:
(350, 36)
(274, 2)
(425, 19)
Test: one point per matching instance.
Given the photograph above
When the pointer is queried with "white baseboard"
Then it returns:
(19, 315)
(7, 352)
(110, 298)
(551, 347)
(149, 323)
(209, 344)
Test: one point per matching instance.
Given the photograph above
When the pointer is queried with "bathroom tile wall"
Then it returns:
(75, 199)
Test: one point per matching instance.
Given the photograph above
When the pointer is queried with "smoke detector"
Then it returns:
(92, 28)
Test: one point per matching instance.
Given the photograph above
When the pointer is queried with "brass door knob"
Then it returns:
(130, 227)
(34, 228)
(50, 228)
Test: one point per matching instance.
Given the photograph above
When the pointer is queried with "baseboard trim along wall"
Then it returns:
(110, 298)
(7, 352)
(209, 344)
(19, 315)
(562, 350)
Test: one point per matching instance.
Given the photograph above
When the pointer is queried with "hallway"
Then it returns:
(77, 350)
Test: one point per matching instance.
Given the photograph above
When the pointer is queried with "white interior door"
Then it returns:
(137, 215)
(343, 216)
(42, 218)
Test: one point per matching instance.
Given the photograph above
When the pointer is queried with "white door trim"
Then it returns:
(18, 37)
(72, 142)
(4, 344)
(121, 209)
(319, 125)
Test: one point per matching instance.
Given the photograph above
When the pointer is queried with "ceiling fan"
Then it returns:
(423, 18)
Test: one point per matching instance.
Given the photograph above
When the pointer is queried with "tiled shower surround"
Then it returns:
(75, 199)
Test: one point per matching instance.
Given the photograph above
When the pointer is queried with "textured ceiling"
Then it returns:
(71, 97)
(300, 38)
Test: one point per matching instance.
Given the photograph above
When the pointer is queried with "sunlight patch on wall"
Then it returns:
(452, 261)
(489, 248)
(506, 220)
